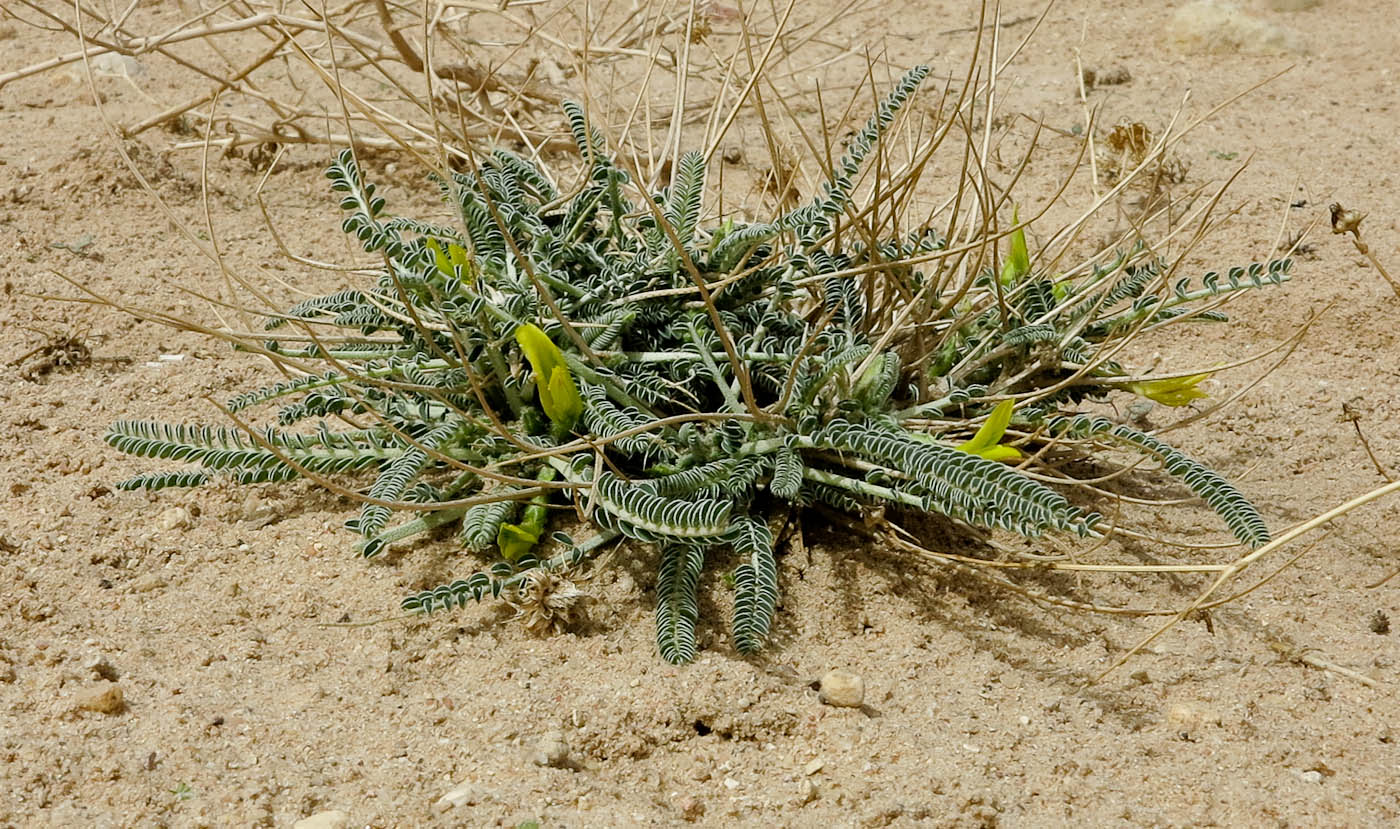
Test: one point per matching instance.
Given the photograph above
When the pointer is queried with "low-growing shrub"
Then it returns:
(685, 381)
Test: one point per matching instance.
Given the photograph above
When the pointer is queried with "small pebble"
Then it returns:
(104, 699)
(691, 808)
(334, 819)
(1186, 719)
(175, 518)
(149, 582)
(462, 794)
(257, 512)
(98, 665)
(806, 792)
(842, 689)
(118, 66)
(813, 767)
(1311, 776)
(553, 750)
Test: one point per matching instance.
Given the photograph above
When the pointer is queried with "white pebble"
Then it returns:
(174, 518)
(553, 750)
(842, 688)
(334, 819)
(462, 794)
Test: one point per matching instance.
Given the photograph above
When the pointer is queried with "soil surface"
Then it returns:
(244, 700)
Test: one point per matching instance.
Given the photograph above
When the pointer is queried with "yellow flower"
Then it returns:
(558, 395)
(456, 255)
(1173, 391)
(516, 541)
(985, 442)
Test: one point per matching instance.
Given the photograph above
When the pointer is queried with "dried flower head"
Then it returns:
(546, 603)
(1346, 221)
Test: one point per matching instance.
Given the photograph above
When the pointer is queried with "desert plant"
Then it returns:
(682, 380)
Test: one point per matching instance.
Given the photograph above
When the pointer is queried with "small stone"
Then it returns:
(1186, 719)
(1219, 28)
(149, 582)
(104, 699)
(7, 673)
(257, 512)
(1179, 715)
(813, 767)
(334, 819)
(117, 66)
(462, 794)
(842, 689)
(806, 792)
(692, 809)
(1311, 776)
(552, 751)
(733, 155)
(98, 666)
(175, 518)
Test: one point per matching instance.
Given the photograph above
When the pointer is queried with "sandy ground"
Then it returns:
(208, 609)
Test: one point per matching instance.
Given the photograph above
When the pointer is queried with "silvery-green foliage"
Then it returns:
(698, 422)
